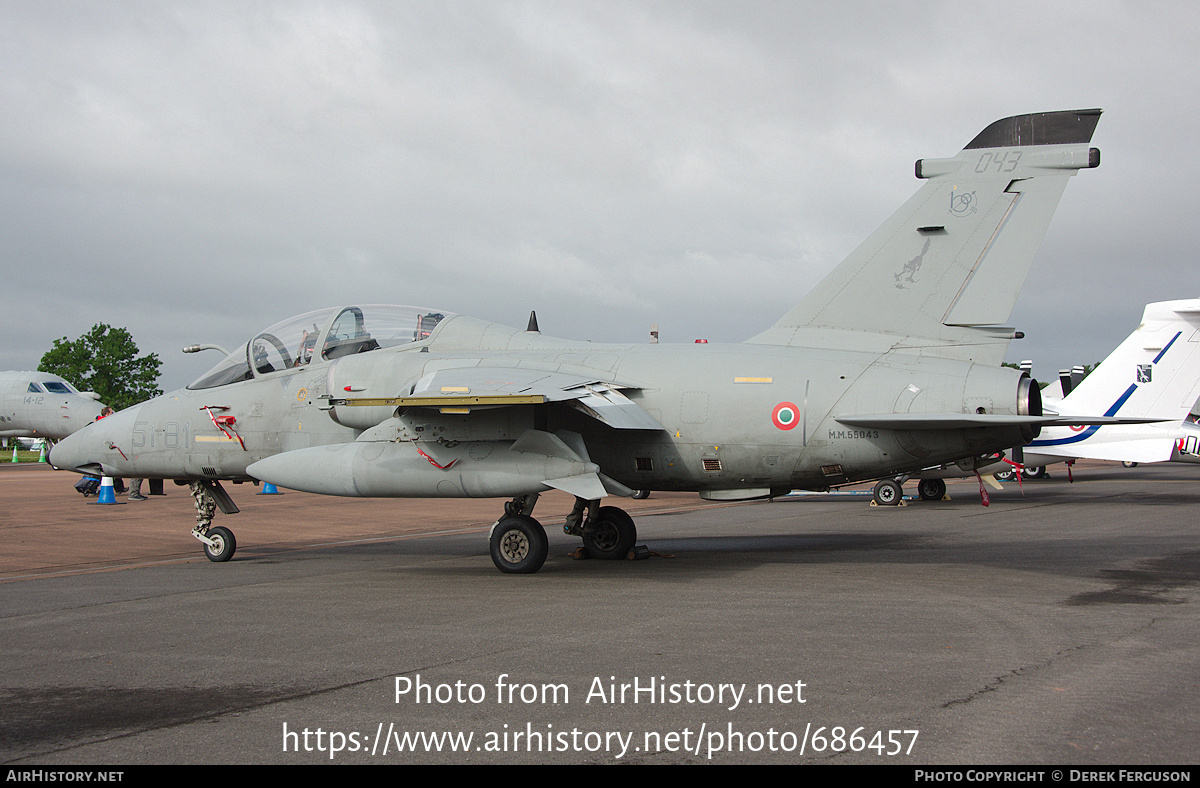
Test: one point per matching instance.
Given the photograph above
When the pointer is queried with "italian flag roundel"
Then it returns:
(786, 415)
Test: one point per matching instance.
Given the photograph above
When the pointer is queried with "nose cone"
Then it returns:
(100, 448)
(71, 453)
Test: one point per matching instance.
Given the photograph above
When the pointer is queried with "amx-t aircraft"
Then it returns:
(889, 365)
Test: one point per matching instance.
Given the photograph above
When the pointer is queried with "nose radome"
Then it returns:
(65, 455)
(93, 446)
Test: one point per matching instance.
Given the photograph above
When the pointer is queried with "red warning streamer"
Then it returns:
(435, 463)
(222, 421)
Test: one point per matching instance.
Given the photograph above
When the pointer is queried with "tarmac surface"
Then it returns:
(1058, 625)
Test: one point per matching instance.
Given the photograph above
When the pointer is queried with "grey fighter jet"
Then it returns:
(888, 366)
(41, 405)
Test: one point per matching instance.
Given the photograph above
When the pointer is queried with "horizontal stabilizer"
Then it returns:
(962, 421)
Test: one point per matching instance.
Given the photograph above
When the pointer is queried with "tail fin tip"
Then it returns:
(1064, 127)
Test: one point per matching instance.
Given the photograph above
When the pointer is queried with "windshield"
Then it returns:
(337, 331)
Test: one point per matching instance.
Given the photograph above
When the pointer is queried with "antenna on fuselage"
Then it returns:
(533, 326)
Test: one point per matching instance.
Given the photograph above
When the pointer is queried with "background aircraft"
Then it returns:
(1154, 373)
(41, 405)
(887, 366)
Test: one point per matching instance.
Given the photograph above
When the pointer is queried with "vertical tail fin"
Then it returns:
(1154, 373)
(940, 276)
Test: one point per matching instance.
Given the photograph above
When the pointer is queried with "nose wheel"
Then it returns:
(220, 545)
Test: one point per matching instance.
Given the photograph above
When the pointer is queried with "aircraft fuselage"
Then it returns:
(749, 419)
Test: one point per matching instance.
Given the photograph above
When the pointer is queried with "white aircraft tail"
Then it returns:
(942, 274)
(1154, 373)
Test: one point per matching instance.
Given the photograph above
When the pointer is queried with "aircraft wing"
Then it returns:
(458, 389)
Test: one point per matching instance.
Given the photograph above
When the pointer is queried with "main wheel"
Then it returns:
(518, 545)
(223, 544)
(931, 489)
(1005, 476)
(888, 493)
(640, 495)
(1032, 471)
(611, 536)
(1128, 464)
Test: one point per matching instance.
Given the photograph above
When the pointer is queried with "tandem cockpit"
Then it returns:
(322, 335)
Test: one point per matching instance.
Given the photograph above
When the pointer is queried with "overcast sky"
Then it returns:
(195, 171)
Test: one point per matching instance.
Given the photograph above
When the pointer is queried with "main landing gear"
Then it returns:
(931, 489)
(890, 492)
(519, 545)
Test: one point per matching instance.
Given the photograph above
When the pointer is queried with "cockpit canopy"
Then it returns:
(327, 334)
(52, 386)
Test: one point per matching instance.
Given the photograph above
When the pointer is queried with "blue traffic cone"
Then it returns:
(270, 489)
(107, 494)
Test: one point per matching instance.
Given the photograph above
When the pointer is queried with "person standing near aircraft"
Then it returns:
(118, 483)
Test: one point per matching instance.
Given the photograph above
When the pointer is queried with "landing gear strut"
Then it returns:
(608, 532)
(611, 535)
(219, 544)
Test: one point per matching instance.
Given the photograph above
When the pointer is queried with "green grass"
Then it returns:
(22, 455)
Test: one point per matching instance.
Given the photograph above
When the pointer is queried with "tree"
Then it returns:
(105, 360)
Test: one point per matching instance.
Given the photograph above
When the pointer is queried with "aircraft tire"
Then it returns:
(518, 545)
(888, 493)
(1128, 464)
(931, 489)
(225, 544)
(1005, 476)
(640, 495)
(1033, 471)
(612, 536)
